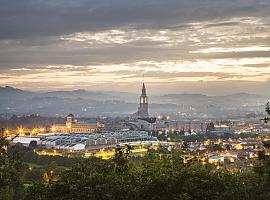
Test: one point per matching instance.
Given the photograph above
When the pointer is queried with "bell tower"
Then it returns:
(143, 108)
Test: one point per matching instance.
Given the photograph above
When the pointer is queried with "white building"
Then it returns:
(91, 141)
(25, 140)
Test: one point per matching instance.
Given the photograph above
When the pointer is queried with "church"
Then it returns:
(140, 120)
(143, 106)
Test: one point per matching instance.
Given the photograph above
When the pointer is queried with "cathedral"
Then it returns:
(143, 107)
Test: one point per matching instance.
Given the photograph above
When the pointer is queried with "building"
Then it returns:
(81, 142)
(72, 126)
(143, 107)
(140, 124)
(25, 140)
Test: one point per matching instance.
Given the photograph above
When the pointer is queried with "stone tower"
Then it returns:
(70, 121)
(143, 108)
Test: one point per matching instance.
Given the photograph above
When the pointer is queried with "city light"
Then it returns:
(34, 131)
(6, 132)
(42, 130)
(20, 131)
(238, 147)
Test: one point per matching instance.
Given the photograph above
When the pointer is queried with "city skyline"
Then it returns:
(180, 46)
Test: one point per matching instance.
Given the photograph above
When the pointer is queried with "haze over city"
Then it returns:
(190, 46)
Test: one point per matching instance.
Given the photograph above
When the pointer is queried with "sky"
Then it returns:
(181, 46)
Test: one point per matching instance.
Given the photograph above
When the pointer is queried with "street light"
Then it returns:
(42, 129)
(34, 131)
(6, 132)
(20, 131)
(53, 129)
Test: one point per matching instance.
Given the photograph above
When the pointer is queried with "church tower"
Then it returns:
(143, 108)
(70, 121)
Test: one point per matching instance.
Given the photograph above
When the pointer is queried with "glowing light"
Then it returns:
(34, 131)
(207, 142)
(6, 132)
(42, 129)
(238, 147)
(20, 131)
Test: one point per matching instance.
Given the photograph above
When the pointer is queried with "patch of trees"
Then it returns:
(11, 171)
(27, 155)
(210, 127)
(155, 177)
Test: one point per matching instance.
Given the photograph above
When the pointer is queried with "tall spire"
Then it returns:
(143, 108)
(143, 90)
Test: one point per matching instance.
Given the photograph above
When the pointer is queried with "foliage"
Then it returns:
(156, 176)
(210, 127)
(153, 177)
(10, 171)
(267, 108)
(27, 155)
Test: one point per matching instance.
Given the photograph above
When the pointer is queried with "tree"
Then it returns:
(267, 108)
(11, 170)
(49, 172)
(185, 147)
(153, 178)
(210, 127)
(121, 157)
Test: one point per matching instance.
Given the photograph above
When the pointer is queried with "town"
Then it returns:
(223, 143)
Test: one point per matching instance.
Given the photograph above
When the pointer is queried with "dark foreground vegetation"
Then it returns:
(156, 176)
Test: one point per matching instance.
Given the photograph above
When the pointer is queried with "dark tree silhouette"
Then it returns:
(267, 108)
(10, 171)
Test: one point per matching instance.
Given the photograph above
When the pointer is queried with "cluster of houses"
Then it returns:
(229, 150)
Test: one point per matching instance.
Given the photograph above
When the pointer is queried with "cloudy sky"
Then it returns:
(203, 46)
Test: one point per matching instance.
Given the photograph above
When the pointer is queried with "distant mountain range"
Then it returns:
(89, 103)
(194, 98)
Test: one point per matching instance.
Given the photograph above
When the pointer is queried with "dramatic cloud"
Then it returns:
(93, 44)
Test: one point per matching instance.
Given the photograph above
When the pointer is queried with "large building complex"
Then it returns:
(84, 141)
(72, 126)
